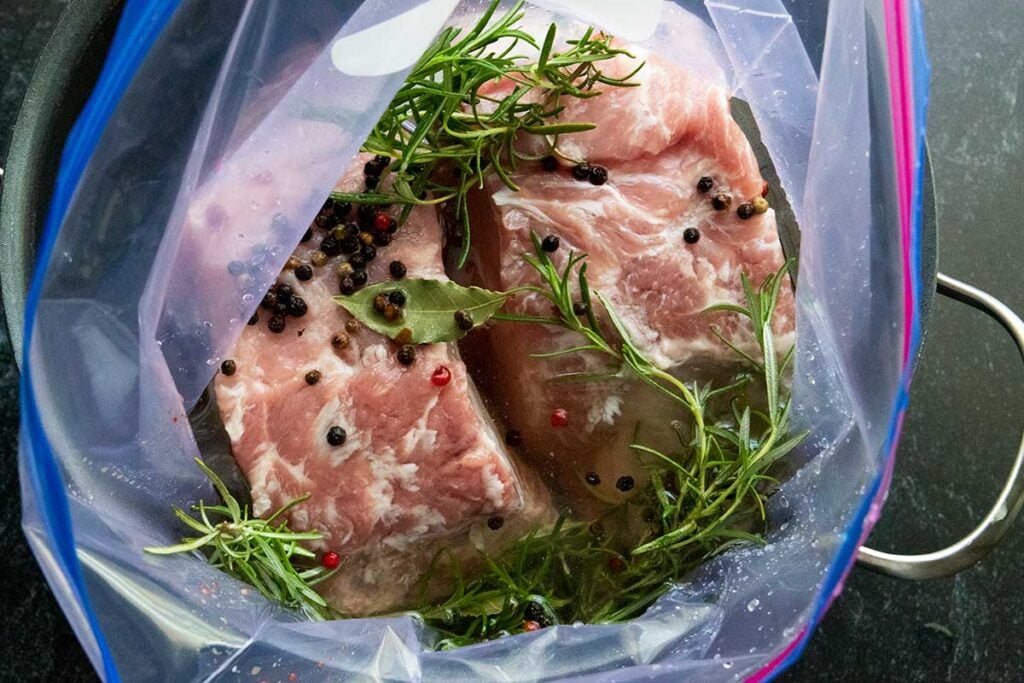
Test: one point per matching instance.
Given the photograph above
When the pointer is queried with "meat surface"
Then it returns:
(420, 464)
(656, 141)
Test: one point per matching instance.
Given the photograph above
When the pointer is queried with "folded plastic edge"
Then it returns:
(140, 24)
(909, 74)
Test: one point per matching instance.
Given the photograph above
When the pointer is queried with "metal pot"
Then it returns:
(63, 80)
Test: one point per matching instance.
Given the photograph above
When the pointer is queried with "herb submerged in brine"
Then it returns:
(706, 496)
(441, 134)
(268, 557)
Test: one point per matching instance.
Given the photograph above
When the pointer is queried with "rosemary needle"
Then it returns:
(266, 555)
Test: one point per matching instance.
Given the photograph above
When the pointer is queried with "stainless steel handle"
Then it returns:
(993, 527)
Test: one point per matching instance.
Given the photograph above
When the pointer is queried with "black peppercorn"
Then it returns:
(581, 171)
(341, 209)
(407, 354)
(550, 163)
(351, 244)
(369, 252)
(691, 235)
(721, 201)
(513, 437)
(550, 243)
(397, 269)
(269, 300)
(392, 226)
(371, 182)
(463, 320)
(357, 261)
(745, 210)
(228, 367)
(276, 323)
(365, 214)
(330, 246)
(336, 436)
(283, 290)
(312, 377)
(397, 297)
(495, 523)
(307, 236)
(535, 612)
(347, 286)
(625, 483)
(304, 272)
(705, 184)
(297, 307)
(381, 239)
(324, 221)
(255, 318)
(376, 165)
(359, 278)
(236, 268)
(579, 308)
(350, 229)
(598, 175)
(592, 478)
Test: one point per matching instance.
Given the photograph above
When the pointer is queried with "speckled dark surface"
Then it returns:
(964, 422)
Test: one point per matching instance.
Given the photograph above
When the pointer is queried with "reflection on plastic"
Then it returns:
(391, 45)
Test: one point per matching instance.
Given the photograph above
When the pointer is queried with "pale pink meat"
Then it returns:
(420, 462)
(656, 141)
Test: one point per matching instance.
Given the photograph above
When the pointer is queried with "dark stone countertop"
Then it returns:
(963, 426)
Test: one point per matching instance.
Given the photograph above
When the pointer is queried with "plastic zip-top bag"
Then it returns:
(213, 137)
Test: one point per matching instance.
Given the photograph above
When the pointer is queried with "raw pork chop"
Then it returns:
(419, 462)
(656, 141)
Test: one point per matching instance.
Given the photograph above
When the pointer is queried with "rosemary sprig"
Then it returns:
(442, 135)
(269, 557)
(704, 497)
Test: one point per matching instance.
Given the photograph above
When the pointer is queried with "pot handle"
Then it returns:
(986, 536)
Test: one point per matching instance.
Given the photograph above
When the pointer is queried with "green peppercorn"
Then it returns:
(380, 302)
(760, 204)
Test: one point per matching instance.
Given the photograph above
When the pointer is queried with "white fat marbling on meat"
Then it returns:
(604, 410)
(265, 483)
(335, 414)
(427, 520)
(420, 435)
(232, 395)
(373, 354)
(494, 488)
